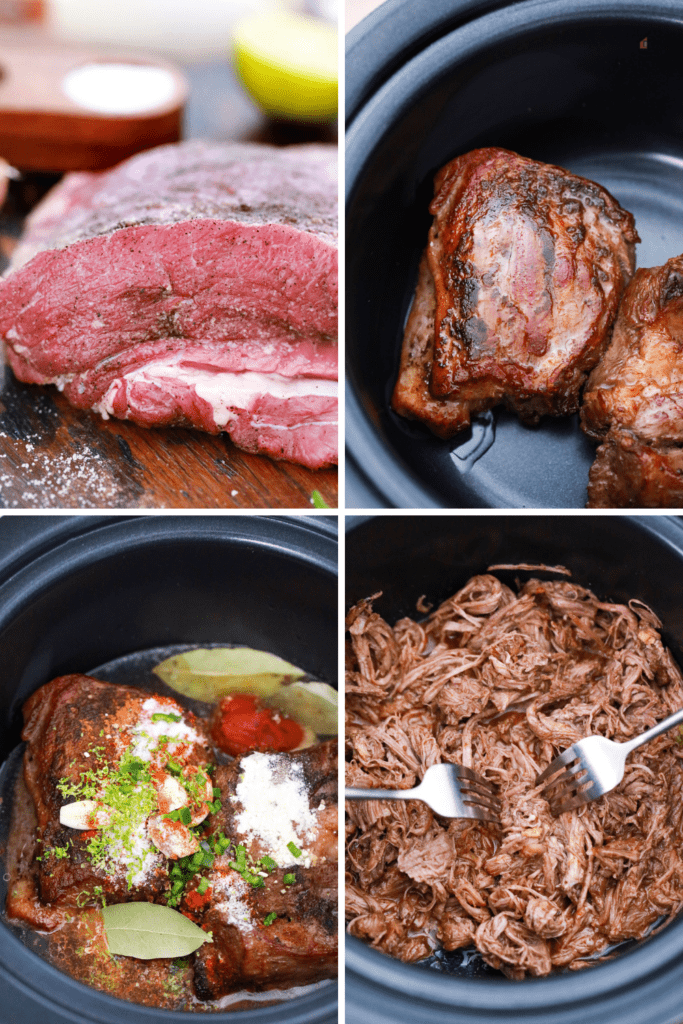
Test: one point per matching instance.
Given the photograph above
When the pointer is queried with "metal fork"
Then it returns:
(449, 789)
(593, 767)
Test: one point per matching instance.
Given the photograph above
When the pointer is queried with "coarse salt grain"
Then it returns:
(272, 791)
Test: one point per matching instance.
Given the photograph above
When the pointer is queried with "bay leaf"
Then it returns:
(209, 674)
(148, 930)
(313, 704)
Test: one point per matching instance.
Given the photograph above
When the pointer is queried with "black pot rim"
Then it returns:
(311, 540)
(374, 457)
(403, 34)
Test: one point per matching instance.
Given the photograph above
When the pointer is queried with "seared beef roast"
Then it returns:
(501, 682)
(300, 945)
(77, 725)
(193, 285)
(274, 921)
(524, 268)
(633, 400)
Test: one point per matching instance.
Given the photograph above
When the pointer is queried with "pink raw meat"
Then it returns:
(193, 285)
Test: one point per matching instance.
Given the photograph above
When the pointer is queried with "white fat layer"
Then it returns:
(145, 734)
(225, 391)
(273, 794)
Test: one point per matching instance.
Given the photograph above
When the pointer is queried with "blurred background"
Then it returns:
(356, 10)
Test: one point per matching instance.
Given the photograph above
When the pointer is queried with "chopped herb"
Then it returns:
(98, 891)
(215, 806)
(60, 852)
(270, 918)
(203, 886)
(318, 500)
(294, 850)
(216, 792)
(219, 843)
(289, 879)
(181, 814)
(268, 863)
(161, 717)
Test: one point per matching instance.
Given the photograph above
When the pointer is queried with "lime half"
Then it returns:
(288, 64)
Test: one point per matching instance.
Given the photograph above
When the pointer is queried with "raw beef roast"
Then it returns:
(195, 284)
(517, 293)
(633, 401)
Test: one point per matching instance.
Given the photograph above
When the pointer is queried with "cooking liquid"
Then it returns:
(78, 945)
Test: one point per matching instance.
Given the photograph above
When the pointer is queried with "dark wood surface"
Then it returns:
(53, 456)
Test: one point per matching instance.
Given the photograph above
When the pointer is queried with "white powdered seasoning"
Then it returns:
(145, 735)
(272, 791)
(229, 891)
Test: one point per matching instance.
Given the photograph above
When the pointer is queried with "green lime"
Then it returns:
(288, 64)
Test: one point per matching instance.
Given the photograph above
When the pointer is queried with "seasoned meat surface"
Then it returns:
(527, 265)
(74, 725)
(300, 944)
(267, 882)
(412, 397)
(502, 682)
(633, 400)
(298, 947)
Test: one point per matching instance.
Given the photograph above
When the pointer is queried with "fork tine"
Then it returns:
(482, 807)
(480, 800)
(575, 773)
(569, 805)
(480, 814)
(469, 773)
(473, 787)
(563, 759)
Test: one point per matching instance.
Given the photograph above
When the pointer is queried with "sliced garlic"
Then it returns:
(170, 795)
(84, 814)
(171, 838)
(201, 809)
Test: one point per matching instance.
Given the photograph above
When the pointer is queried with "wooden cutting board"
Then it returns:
(53, 456)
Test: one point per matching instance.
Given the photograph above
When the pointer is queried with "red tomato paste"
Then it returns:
(241, 724)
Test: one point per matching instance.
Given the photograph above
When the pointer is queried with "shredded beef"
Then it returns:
(501, 682)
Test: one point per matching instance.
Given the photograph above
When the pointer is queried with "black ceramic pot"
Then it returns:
(77, 592)
(393, 33)
(620, 557)
(591, 85)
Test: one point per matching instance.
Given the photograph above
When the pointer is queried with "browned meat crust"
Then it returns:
(300, 946)
(501, 682)
(66, 720)
(412, 397)
(524, 268)
(633, 400)
(75, 720)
